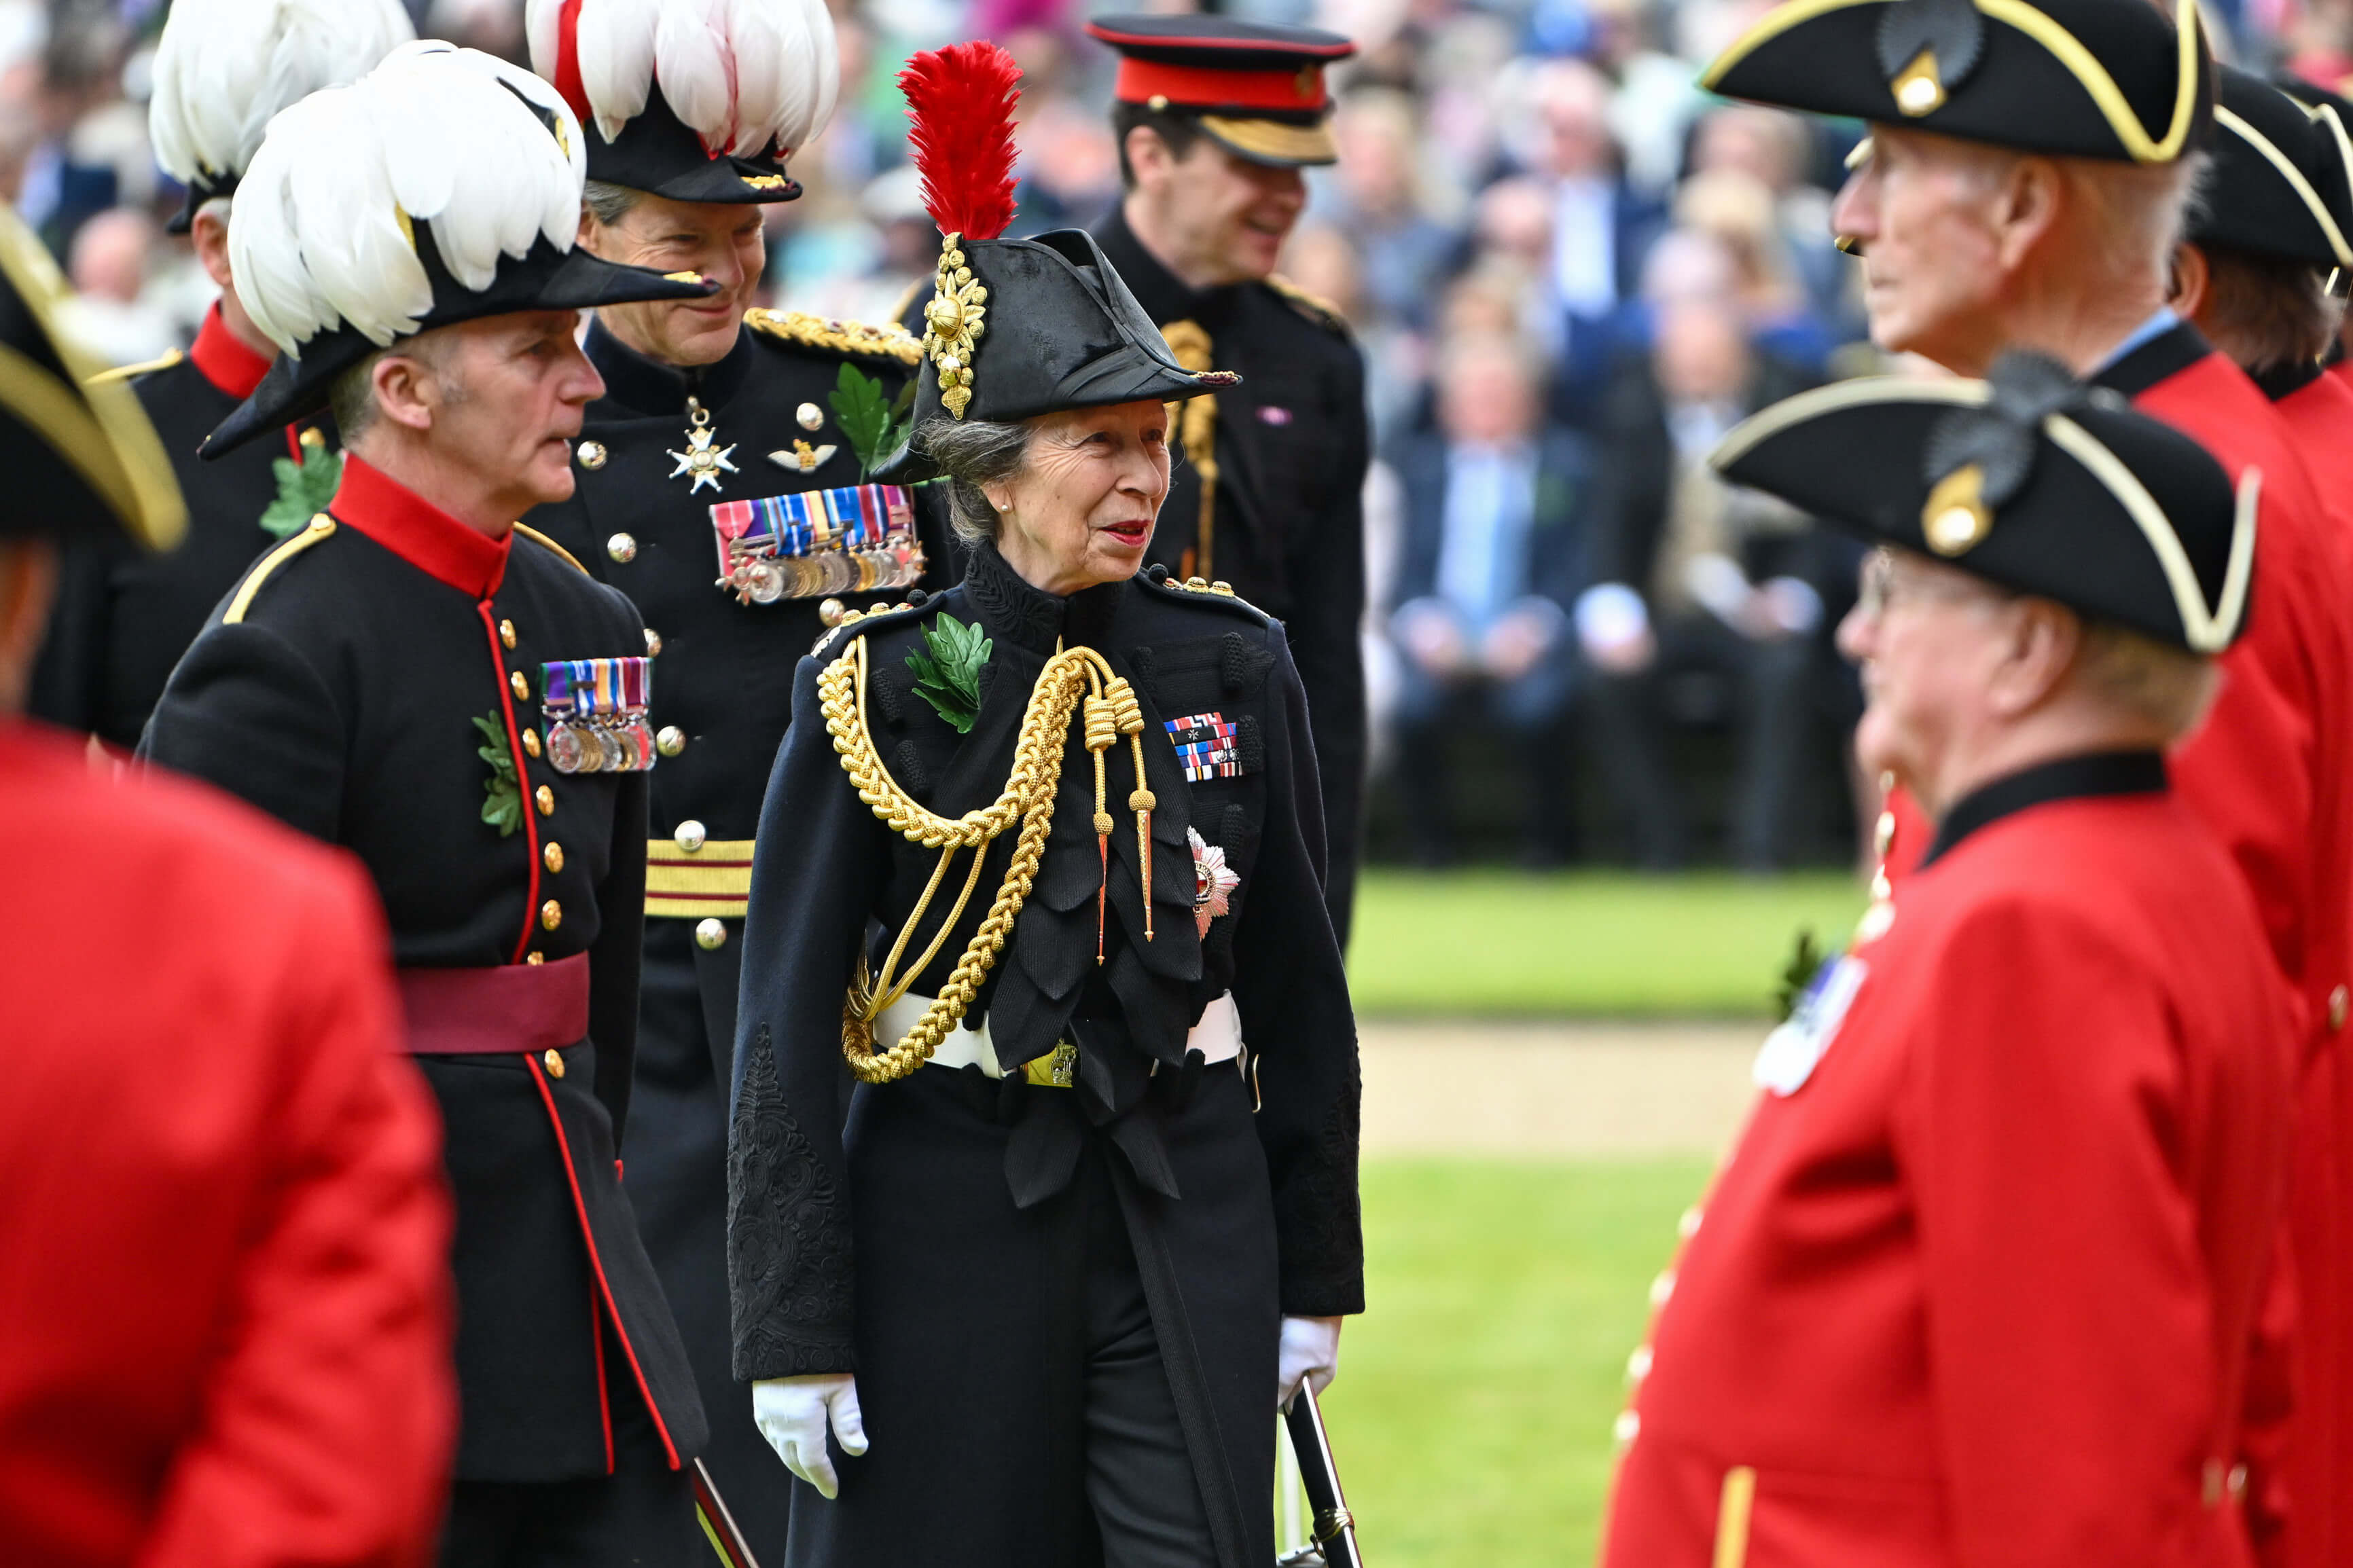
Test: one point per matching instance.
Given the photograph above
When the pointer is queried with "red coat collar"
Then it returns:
(418, 531)
(224, 361)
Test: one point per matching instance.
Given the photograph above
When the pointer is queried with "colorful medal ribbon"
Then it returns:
(858, 539)
(596, 714)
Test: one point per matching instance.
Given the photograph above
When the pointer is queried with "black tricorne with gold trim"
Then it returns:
(945, 1214)
(339, 687)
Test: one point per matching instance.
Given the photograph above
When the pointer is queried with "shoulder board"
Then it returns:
(549, 544)
(321, 526)
(1194, 591)
(130, 372)
(890, 341)
(855, 624)
(1321, 311)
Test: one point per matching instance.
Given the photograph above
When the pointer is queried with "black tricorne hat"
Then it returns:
(80, 459)
(2029, 479)
(2087, 78)
(2283, 178)
(1254, 88)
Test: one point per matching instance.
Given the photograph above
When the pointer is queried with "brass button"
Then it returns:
(531, 742)
(670, 742)
(830, 612)
(1688, 1226)
(521, 687)
(535, 956)
(1662, 1287)
(551, 914)
(653, 642)
(1626, 1427)
(507, 633)
(1157, 103)
(621, 548)
(1638, 1365)
(809, 415)
(591, 455)
(554, 1061)
(690, 835)
(1884, 835)
(546, 799)
(2338, 1001)
(711, 933)
(552, 856)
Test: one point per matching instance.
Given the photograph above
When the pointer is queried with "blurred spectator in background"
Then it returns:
(1489, 561)
(1774, 148)
(1737, 210)
(111, 313)
(1403, 249)
(1691, 576)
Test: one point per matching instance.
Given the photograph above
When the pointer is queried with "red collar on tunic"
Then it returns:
(224, 361)
(418, 531)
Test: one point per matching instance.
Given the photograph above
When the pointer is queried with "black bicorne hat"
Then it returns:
(2087, 78)
(81, 457)
(1016, 328)
(2029, 479)
(2283, 179)
(545, 279)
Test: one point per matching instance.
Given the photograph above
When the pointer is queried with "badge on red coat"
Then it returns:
(1790, 1052)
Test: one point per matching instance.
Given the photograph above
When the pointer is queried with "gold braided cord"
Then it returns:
(1027, 798)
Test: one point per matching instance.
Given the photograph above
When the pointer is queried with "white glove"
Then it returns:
(1310, 1350)
(792, 1414)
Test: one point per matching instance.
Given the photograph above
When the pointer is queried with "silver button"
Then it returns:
(591, 455)
(690, 835)
(621, 548)
(670, 742)
(809, 415)
(711, 933)
(1662, 1287)
(1638, 1365)
(653, 643)
(1626, 1427)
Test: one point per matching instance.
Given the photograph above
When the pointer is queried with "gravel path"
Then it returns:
(1556, 1089)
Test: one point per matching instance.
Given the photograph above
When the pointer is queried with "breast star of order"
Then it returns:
(704, 460)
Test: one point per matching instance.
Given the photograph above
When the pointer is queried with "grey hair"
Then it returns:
(974, 453)
(351, 397)
(607, 203)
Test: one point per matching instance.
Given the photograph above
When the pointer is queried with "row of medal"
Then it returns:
(857, 539)
(596, 714)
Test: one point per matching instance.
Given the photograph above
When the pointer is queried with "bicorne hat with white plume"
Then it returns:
(441, 187)
(224, 67)
(698, 100)
(1015, 328)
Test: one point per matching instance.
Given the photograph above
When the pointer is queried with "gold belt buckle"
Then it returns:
(1058, 1069)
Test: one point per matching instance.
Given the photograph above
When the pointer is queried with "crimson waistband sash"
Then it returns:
(506, 1007)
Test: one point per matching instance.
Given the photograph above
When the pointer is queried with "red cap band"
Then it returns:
(1199, 86)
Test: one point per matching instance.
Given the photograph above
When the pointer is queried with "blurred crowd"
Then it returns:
(1570, 267)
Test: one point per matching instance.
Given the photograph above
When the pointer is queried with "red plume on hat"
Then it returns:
(960, 110)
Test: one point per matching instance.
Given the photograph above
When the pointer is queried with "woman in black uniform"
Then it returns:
(1042, 859)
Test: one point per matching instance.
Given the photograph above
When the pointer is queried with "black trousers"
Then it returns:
(640, 1516)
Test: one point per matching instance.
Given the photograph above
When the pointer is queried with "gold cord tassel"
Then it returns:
(1101, 734)
(1129, 716)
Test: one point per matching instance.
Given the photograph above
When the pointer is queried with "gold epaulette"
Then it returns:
(126, 371)
(286, 550)
(890, 341)
(546, 543)
(1195, 590)
(1316, 308)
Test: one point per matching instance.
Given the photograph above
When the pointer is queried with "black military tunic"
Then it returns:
(932, 1245)
(721, 702)
(1292, 445)
(340, 687)
(124, 617)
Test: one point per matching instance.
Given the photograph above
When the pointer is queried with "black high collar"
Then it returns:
(646, 387)
(2165, 355)
(2281, 381)
(2069, 778)
(1029, 617)
(1162, 295)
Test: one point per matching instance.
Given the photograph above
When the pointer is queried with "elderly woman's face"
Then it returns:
(1081, 509)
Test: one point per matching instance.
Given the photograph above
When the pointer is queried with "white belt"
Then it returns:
(1218, 1036)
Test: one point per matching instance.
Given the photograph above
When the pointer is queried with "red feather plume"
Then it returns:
(960, 110)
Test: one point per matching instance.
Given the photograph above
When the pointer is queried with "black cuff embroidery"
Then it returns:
(788, 1251)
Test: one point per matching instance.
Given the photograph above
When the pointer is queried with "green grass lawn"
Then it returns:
(1468, 944)
(1473, 1415)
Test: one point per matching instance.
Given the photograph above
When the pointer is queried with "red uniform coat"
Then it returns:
(1977, 1291)
(224, 1312)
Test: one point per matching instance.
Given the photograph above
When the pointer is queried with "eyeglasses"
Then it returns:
(1888, 582)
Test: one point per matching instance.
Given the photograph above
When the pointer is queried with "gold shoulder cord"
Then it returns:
(1111, 712)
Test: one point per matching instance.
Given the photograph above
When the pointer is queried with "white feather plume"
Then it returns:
(224, 67)
(741, 74)
(327, 223)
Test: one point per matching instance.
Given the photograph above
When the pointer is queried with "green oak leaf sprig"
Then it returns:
(501, 791)
(948, 677)
(875, 424)
(1805, 961)
(305, 489)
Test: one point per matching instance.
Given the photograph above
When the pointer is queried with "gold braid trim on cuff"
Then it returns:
(1027, 799)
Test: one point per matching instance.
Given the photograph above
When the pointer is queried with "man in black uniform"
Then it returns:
(1215, 119)
(373, 681)
(722, 486)
(124, 617)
